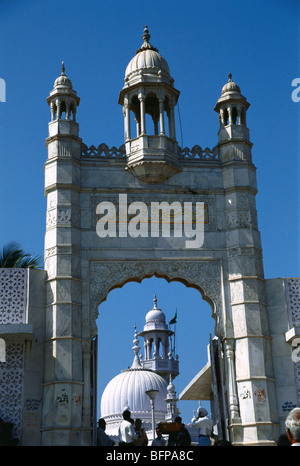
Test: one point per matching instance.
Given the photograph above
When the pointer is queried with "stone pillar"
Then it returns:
(253, 364)
(63, 378)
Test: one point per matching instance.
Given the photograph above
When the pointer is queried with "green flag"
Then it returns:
(174, 320)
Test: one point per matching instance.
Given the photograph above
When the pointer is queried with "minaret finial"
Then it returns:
(229, 77)
(136, 361)
(155, 302)
(62, 68)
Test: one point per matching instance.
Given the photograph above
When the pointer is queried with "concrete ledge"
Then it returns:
(18, 332)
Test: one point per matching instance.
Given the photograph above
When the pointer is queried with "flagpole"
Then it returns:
(175, 333)
(174, 340)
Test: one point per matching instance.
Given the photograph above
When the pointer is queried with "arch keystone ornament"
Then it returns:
(82, 267)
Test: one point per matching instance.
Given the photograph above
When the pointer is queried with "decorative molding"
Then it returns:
(63, 216)
(203, 275)
(103, 152)
(241, 219)
(197, 153)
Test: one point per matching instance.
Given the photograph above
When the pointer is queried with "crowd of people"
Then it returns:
(131, 433)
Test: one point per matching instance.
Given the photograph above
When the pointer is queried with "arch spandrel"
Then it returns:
(205, 276)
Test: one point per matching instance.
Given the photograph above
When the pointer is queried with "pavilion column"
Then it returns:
(143, 112)
(161, 116)
(126, 111)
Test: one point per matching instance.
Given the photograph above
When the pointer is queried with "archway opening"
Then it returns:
(127, 306)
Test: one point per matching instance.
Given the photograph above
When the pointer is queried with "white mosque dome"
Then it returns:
(128, 389)
(147, 65)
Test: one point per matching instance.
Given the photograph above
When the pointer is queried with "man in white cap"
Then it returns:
(205, 426)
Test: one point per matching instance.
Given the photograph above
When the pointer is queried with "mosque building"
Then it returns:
(155, 371)
(48, 329)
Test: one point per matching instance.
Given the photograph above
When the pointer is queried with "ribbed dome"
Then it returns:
(147, 58)
(147, 65)
(63, 80)
(128, 388)
(230, 86)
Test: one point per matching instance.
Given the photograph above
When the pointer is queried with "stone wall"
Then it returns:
(283, 298)
(22, 330)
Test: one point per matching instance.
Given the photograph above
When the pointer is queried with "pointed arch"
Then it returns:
(205, 276)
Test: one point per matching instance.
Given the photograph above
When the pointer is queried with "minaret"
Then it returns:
(243, 266)
(171, 401)
(62, 263)
(156, 336)
(151, 153)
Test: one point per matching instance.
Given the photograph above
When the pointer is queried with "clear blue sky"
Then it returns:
(257, 41)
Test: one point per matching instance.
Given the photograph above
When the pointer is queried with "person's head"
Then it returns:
(126, 415)
(138, 424)
(158, 432)
(202, 412)
(178, 419)
(102, 423)
(292, 424)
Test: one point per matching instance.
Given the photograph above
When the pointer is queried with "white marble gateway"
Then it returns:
(259, 379)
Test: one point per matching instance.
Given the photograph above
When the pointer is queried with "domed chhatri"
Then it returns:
(232, 107)
(63, 101)
(152, 152)
(158, 355)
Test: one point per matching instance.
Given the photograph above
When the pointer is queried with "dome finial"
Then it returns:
(146, 45)
(146, 35)
(155, 302)
(62, 69)
(229, 77)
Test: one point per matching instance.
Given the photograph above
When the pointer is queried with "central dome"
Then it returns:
(129, 388)
(147, 65)
(128, 391)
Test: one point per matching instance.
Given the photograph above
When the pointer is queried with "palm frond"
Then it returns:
(13, 256)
